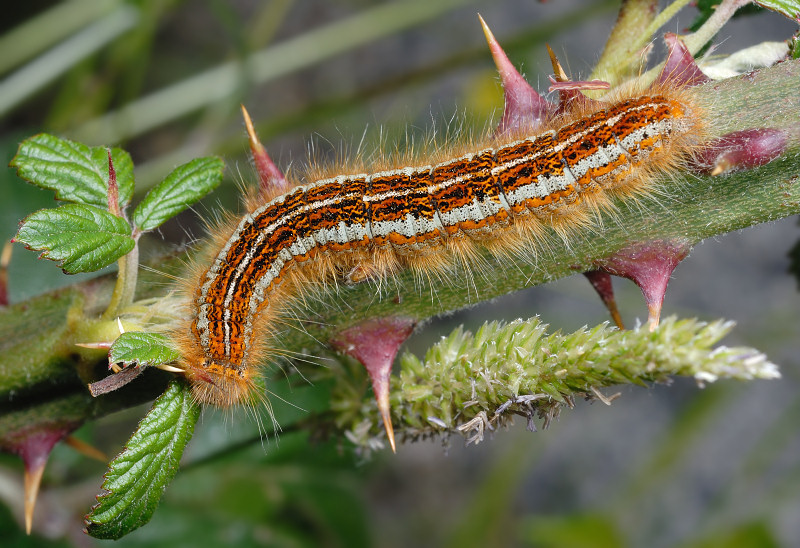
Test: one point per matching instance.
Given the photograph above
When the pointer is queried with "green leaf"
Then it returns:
(183, 187)
(81, 238)
(143, 349)
(77, 173)
(137, 477)
(789, 8)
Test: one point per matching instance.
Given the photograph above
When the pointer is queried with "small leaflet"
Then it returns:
(81, 238)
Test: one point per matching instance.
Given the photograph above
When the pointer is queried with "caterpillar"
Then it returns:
(500, 196)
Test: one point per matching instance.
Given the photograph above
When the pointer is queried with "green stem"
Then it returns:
(661, 20)
(710, 28)
(627, 37)
(125, 288)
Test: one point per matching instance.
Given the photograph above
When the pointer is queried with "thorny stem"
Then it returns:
(705, 207)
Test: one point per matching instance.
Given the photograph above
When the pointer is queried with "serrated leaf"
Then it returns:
(183, 187)
(137, 477)
(143, 349)
(789, 8)
(81, 238)
(77, 173)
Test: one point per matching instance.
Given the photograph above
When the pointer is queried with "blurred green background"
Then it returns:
(666, 466)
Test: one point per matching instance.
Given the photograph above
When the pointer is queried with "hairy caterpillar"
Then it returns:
(369, 225)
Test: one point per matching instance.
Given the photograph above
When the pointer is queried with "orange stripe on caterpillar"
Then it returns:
(419, 217)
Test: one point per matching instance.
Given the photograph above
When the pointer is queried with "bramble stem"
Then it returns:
(693, 207)
(125, 288)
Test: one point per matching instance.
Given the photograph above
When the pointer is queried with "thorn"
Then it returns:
(744, 149)
(653, 315)
(119, 325)
(680, 66)
(524, 107)
(5, 260)
(5, 257)
(569, 90)
(649, 265)
(271, 180)
(375, 343)
(85, 449)
(33, 479)
(719, 169)
(601, 282)
(33, 445)
(386, 415)
(558, 71)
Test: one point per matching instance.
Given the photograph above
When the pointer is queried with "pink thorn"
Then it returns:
(113, 188)
(649, 265)
(271, 180)
(524, 108)
(601, 281)
(33, 446)
(680, 67)
(5, 260)
(375, 343)
(741, 150)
